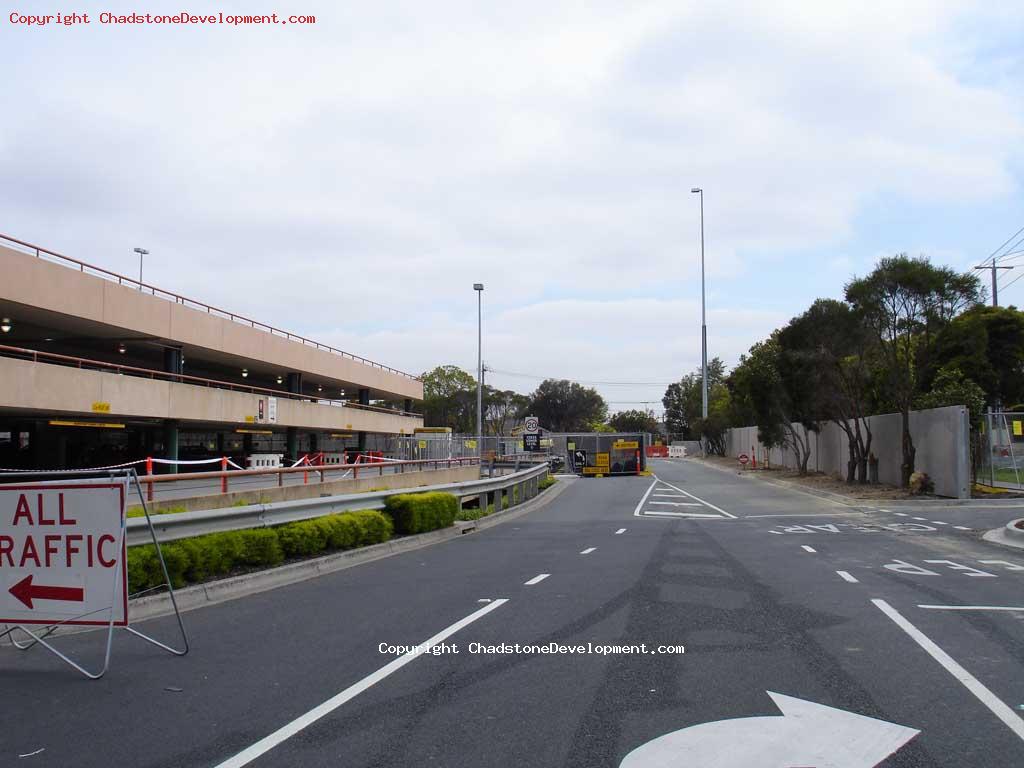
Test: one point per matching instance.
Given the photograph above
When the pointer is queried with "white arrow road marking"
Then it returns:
(806, 734)
(969, 681)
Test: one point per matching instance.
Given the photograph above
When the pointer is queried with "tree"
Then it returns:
(502, 409)
(768, 384)
(988, 342)
(564, 406)
(827, 347)
(634, 421)
(683, 400)
(906, 302)
(449, 399)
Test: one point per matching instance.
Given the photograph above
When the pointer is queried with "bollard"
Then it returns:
(224, 477)
(149, 471)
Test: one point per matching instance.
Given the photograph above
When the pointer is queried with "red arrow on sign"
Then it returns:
(26, 592)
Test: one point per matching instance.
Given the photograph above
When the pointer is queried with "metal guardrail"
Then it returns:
(37, 356)
(114, 277)
(183, 525)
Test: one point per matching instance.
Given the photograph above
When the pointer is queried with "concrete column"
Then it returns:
(171, 444)
(172, 360)
(292, 449)
(247, 444)
(362, 442)
(314, 440)
(364, 397)
(407, 406)
(220, 444)
(295, 383)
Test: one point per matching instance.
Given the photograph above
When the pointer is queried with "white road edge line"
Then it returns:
(588, 550)
(847, 577)
(299, 724)
(536, 579)
(974, 607)
(805, 548)
(971, 683)
(620, 531)
(697, 498)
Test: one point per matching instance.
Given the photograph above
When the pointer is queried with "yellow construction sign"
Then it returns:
(625, 445)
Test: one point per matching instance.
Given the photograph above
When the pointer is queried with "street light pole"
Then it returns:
(479, 288)
(142, 252)
(703, 316)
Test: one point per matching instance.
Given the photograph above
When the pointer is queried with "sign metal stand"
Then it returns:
(129, 477)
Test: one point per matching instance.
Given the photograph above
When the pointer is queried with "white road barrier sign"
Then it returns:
(63, 553)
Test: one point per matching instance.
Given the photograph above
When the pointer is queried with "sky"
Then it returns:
(350, 180)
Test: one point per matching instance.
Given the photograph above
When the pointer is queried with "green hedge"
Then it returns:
(546, 482)
(419, 512)
(190, 561)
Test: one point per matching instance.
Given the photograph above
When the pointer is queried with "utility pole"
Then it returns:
(995, 286)
(479, 288)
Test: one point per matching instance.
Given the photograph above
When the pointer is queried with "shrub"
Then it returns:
(419, 512)
(546, 482)
(217, 554)
(921, 484)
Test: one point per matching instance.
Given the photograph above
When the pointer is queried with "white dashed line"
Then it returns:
(620, 531)
(901, 514)
(938, 522)
(536, 579)
(588, 550)
(961, 527)
(847, 577)
(921, 518)
(974, 607)
(812, 550)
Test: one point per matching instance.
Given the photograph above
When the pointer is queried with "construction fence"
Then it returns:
(999, 450)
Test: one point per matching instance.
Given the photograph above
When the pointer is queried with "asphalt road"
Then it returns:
(792, 610)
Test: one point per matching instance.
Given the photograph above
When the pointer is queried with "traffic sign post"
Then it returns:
(63, 558)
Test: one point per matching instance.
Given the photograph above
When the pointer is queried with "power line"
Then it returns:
(993, 256)
(580, 381)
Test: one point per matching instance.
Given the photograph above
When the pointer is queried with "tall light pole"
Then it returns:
(703, 316)
(142, 252)
(479, 288)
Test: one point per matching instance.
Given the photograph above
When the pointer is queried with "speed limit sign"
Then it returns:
(532, 425)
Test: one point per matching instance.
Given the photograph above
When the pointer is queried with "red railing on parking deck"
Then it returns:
(321, 469)
(181, 378)
(194, 304)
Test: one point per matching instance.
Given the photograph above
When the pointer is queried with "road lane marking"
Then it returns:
(699, 515)
(677, 503)
(901, 514)
(299, 724)
(974, 607)
(937, 522)
(697, 498)
(670, 495)
(805, 548)
(847, 577)
(921, 518)
(536, 579)
(588, 550)
(620, 531)
(971, 683)
(961, 527)
(643, 500)
(801, 514)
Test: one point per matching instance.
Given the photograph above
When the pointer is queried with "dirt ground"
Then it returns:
(822, 482)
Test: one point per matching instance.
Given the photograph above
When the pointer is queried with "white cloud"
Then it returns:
(351, 180)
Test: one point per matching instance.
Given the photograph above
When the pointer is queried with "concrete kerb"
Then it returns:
(1010, 535)
(222, 590)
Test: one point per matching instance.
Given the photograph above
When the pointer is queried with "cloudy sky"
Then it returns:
(350, 180)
